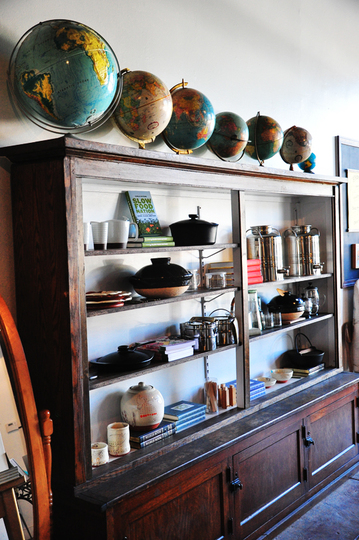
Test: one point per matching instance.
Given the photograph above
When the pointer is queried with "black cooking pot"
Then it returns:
(194, 232)
(124, 359)
(161, 279)
(304, 358)
(288, 304)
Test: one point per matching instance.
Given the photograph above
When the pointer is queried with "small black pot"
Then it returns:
(194, 232)
(304, 360)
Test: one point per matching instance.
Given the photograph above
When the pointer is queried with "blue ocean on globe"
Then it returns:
(65, 77)
(192, 121)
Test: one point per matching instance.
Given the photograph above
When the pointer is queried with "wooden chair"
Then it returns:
(37, 431)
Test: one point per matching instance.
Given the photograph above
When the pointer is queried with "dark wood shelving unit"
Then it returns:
(190, 483)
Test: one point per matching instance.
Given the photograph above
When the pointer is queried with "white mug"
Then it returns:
(118, 438)
(99, 454)
(87, 235)
(118, 230)
(100, 234)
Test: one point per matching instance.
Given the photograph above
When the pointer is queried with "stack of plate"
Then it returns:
(106, 299)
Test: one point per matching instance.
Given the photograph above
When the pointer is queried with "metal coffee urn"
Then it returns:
(309, 249)
(265, 242)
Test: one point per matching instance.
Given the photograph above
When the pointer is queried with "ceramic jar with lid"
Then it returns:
(142, 407)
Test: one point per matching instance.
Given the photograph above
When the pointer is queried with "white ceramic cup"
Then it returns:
(99, 454)
(87, 235)
(118, 438)
(100, 234)
(118, 231)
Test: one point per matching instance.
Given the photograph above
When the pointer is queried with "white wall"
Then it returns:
(294, 61)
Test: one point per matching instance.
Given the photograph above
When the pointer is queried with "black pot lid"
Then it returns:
(286, 302)
(194, 220)
(125, 358)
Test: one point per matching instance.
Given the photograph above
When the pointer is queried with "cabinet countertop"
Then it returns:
(105, 492)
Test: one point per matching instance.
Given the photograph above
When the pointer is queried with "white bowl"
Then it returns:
(268, 381)
(282, 375)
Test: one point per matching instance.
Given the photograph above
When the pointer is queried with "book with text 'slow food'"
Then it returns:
(143, 213)
(181, 409)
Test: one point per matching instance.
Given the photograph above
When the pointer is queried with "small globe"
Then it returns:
(65, 77)
(309, 164)
(145, 107)
(229, 137)
(297, 145)
(265, 137)
(192, 121)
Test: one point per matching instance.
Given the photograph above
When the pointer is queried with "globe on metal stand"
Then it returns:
(192, 121)
(64, 77)
(145, 107)
(265, 138)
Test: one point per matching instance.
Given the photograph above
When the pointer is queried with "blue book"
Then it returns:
(140, 436)
(190, 423)
(193, 416)
(182, 409)
(258, 393)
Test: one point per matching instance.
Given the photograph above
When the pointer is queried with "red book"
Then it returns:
(253, 262)
(252, 281)
(254, 274)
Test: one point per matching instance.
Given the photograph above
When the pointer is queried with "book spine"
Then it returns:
(157, 244)
(147, 442)
(151, 435)
(132, 212)
(190, 423)
(185, 417)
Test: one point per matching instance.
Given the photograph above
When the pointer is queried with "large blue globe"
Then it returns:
(65, 77)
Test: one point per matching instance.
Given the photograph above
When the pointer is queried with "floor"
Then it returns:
(335, 517)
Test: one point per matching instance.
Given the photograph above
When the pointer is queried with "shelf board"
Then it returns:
(293, 279)
(106, 252)
(104, 379)
(148, 302)
(288, 327)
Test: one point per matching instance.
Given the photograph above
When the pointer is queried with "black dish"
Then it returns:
(124, 359)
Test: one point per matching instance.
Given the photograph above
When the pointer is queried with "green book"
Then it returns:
(150, 244)
(143, 213)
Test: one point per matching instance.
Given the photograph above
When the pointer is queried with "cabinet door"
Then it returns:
(191, 506)
(331, 438)
(271, 476)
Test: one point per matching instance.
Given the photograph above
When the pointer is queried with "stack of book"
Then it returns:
(150, 242)
(256, 389)
(185, 414)
(306, 372)
(140, 439)
(143, 213)
(254, 271)
(168, 348)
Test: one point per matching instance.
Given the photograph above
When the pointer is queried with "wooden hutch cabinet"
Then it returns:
(238, 473)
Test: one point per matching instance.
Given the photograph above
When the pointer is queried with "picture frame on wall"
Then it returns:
(347, 167)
